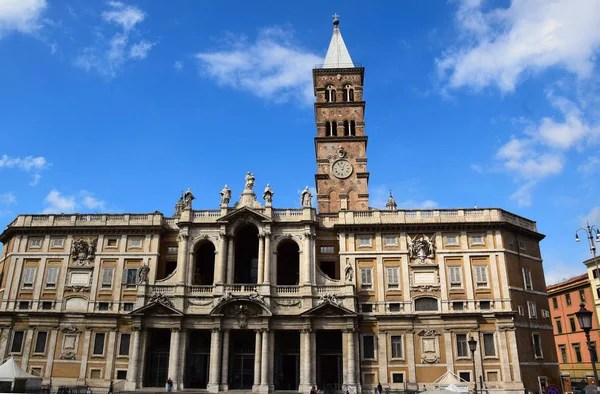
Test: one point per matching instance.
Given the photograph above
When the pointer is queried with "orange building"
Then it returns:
(571, 346)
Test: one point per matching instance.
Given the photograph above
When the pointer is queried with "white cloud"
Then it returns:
(590, 166)
(7, 198)
(592, 217)
(29, 164)
(89, 201)
(178, 65)
(21, 15)
(110, 56)
(520, 157)
(58, 203)
(502, 45)
(523, 194)
(271, 67)
(35, 180)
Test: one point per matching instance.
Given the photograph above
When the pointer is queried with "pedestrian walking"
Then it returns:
(169, 384)
(379, 387)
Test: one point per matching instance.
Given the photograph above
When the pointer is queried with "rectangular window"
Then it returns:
(527, 279)
(327, 249)
(368, 346)
(364, 241)
(112, 242)
(559, 326)
(477, 239)
(124, 345)
(582, 295)
(458, 306)
(57, 243)
(572, 324)
(489, 345)
(52, 277)
(563, 354)
(466, 376)
(521, 310)
(397, 378)
(397, 346)
(103, 306)
(128, 306)
(511, 241)
(36, 371)
(95, 373)
(172, 250)
(577, 350)
(462, 348)
(481, 276)
(451, 240)
(23, 304)
(395, 307)
(135, 242)
(532, 309)
(366, 308)
(130, 276)
(537, 345)
(35, 243)
(492, 376)
(568, 299)
(47, 305)
(99, 344)
(29, 276)
(40, 342)
(108, 274)
(122, 374)
(554, 303)
(17, 342)
(485, 305)
(390, 240)
(522, 245)
(366, 278)
(455, 275)
(598, 292)
(393, 278)
(545, 313)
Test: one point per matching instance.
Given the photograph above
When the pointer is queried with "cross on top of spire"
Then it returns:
(336, 21)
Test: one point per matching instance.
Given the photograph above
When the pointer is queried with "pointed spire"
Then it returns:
(391, 203)
(337, 54)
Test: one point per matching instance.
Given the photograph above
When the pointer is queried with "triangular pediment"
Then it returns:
(329, 309)
(156, 309)
(245, 212)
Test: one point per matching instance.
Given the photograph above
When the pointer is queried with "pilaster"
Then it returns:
(261, 258)
(221, 267)
(225, 362)
(110, 354)
(305, 361)
(448, 346)
(27, 347)
(257, 360)
(174, 352)
(85, 354)
(264, 366)
(382, 341)
(267, 272)
(182, 254)
(230, 258)
(132, 374)
(215, 361)
(51, 353)
(410, 357)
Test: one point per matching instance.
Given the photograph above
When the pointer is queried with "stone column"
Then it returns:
(264, 366)
(51, 354)
(503, 354)
(267, 272)
(383, 358)
(313, 358)
(230, 258)
(257, 359)
(184, 338)
(261, 257)
(225, 362)
(514, 355)
(174, 358)
(305, 360)
(110, 354)
(448, 346)
(182, 254)
(221, 267)
(215, 361)
(29, 337)
(134, 360)
(350, 360)
(306, 258)
(85, 355)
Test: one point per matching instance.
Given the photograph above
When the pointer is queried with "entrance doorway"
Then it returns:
(241, 359)
(198, 360)
(329, 360)
(287, 360)
(157, 360)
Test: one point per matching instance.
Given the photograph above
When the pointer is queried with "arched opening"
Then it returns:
(352, 128)
(334, 128)
(246, 255)
(330, 94)
(204, 267)
(346, 128)
(327, 129)
(288, 263)
(348, 93)
(426, 304)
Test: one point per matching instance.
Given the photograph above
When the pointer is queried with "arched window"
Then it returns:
(346, 128)
(426, 304)
(330, 94)
(327, 129)
(352, 127)
(334, 128)
(348, 93)
(288, 263)
(204, 264)
(246, 255)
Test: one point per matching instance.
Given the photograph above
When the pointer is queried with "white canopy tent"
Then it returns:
(14, 377)
(449, 381)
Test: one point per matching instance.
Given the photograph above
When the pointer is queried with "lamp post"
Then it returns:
(585, 322)
(472, 347)
(592, 232)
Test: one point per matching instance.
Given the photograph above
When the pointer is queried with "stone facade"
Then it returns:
(252, 297)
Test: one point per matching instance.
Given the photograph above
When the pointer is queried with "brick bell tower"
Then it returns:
(341, 144)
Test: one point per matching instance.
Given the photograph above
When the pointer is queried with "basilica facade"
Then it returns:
(252, 297)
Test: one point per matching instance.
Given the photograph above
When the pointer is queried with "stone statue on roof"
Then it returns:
(306, 198)
(225, 195)
(268, 194)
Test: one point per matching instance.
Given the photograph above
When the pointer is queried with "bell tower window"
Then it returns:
(330, 94)
(327, 129)
(348, 93)
(346, 128)
(352, 128)
(334, 128)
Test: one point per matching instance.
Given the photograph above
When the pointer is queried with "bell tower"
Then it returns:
(341, 144)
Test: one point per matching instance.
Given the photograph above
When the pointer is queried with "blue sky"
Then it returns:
(119, 106)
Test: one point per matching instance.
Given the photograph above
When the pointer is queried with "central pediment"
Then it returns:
(329, 309)
(245, 213)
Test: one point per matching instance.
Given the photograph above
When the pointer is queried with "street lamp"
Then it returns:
(592, 232)
(585, 322)
(472, 347)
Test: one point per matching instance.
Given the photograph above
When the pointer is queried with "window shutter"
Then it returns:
(29, 275)
(107, 275)
(124, 277)
(52, 277)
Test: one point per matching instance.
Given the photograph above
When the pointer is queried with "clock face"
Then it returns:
(341, 169)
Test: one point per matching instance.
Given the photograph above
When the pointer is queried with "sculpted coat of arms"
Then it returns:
(422, 248)
(84, 251)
